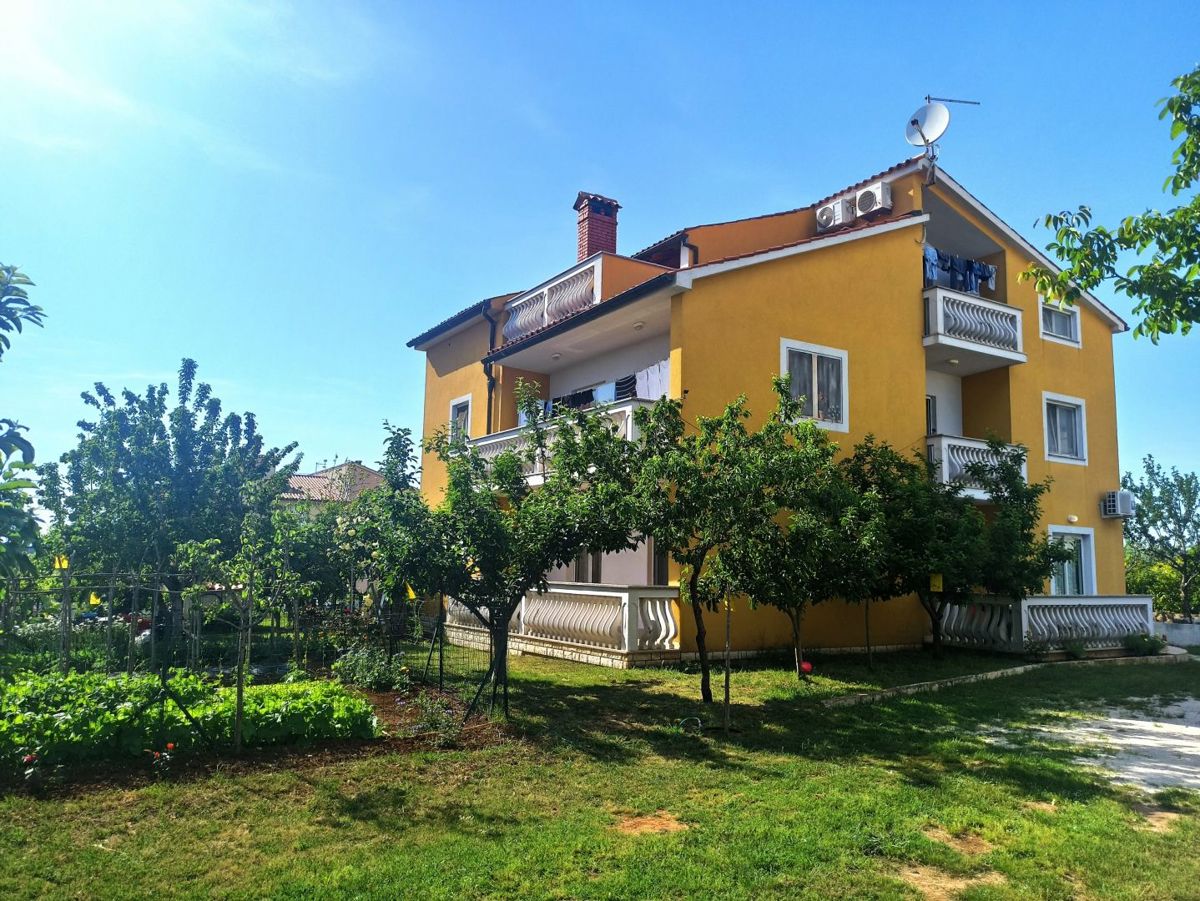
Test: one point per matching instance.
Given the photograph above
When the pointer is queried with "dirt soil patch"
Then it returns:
(1151, 747)
(656, 823)
(1041, 806)
(1158, 819)
(968, 843)
(938, 885)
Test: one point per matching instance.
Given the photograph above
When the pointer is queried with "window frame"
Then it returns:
(458, 402)
(790, 344)
(1071, 310)
(1065, 400)
(1087, 558)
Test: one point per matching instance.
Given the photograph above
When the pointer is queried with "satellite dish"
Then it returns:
(927, 124)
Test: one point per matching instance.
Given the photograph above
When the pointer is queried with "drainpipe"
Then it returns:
(487, 367)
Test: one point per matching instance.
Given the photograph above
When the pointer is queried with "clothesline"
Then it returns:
(964, 274)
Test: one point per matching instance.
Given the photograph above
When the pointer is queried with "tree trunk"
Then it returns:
(728, 623)
(935, 610)
(1185, 598)
(795, 617)
(706, 694)
(500, 667)
(867, 630)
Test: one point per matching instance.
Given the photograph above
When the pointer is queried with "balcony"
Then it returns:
(1049, 623)
(610, 625)
(517, 440)
(965, 334)
(952, 454)
(575, 290)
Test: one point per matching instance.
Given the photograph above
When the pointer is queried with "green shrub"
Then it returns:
(1075, 648)
(372, 668)
(437, 721)
(88, 717)
(1144, 645)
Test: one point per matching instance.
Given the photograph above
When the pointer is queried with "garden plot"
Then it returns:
(1152, 746)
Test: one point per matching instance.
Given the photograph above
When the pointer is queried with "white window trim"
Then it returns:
(465, 399)
(1070, 309)
(1050, 396)
(786, 344)
(1089, 563)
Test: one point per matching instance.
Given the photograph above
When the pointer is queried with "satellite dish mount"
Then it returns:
(927, 125)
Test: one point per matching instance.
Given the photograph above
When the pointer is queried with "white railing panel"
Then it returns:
(548, 303)
(973, 319)
(1098, 622)
(577, 616)
(953, 454)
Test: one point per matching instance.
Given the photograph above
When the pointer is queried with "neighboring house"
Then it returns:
(895, 304)
(343, 482)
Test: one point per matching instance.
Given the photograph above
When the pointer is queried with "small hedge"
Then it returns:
(372, 668)
(88, 717)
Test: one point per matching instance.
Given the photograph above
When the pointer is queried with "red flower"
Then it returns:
(29, 758)
(157, 755)
(170, 746)
(806, 667)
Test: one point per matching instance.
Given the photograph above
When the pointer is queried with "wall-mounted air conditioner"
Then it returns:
(873, 198)
(835, 214)
(1116, 504)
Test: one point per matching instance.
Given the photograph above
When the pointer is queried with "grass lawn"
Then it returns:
(801, 801)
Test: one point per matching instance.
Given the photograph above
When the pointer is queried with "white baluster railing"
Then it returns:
(1098, 622)
(975, 320)
(952, 455)
(551, 301)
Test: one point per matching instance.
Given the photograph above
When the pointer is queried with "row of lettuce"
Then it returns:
(52, 720)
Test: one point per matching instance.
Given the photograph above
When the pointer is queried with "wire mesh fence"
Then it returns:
(151, 623)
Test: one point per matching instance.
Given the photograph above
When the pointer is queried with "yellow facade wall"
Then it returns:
(863, 297)
(618, 274)
(1085, 372)
(452, 370)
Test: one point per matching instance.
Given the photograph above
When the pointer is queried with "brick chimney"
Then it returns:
(597, 224)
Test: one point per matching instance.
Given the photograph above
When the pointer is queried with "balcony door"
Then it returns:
(1077, 575)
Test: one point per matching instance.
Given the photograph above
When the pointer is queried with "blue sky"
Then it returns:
(288, 192)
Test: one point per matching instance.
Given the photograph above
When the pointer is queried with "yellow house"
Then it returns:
(896, 306)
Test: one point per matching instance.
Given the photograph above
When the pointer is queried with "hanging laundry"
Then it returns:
(605, 394)
(626, 387)
(931, 264)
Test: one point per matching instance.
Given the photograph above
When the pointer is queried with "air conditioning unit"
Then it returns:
(1116, 504)
(873, 198)
(835, 214)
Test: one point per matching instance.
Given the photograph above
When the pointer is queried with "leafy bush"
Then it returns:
(1144, 645)
(372, 668)
(437, 721)
(1076, 648)
(86, 717)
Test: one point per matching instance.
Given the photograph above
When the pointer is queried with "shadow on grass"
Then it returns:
(927, 738)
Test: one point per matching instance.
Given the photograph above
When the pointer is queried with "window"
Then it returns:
(1077, 575)
(1060, 323)
(1066, 428)
(460, 418)
(930, 415)
(587, 566)
(661, 574)
(819, 376)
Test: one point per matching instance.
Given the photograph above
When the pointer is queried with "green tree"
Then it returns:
(1165, 527)
(1018, 556)
(1146, 576)
(148, 477)
(696, 491)
(1164, 282)
(808, 538)
(500, 537)
(18, 528)
(930, 536)
(16, 310)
